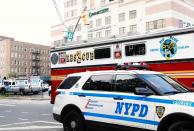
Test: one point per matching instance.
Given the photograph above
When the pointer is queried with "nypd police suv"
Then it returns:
(135, 99)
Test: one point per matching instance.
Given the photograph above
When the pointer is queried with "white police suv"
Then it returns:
(133, 100)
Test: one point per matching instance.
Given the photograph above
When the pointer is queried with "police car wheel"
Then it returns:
(182, 126)
(73, 122)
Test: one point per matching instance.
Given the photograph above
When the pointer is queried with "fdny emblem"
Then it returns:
(160, 111)
(168, 47)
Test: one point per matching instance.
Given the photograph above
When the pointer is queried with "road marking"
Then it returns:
(2, 116)
(22, 119)
(6, 104)
(24, 112)
(30, 128)
(21, 123)
(45, 114)
(49, 122)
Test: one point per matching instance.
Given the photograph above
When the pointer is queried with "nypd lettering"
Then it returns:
(131, 109)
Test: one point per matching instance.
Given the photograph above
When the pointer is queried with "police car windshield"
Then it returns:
(164, 83)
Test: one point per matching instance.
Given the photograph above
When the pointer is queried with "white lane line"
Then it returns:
(21, 123)
(22, 119)
(2, 116)
(24, 112)
(30, 128)
(49, 122)
(7, 105)
(45, 114)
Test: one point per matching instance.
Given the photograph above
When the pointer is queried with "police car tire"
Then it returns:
(73, 121)
(182, 126)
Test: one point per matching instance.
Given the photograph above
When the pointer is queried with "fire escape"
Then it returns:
(36, 63)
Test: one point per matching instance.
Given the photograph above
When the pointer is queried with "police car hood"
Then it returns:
(183, 97)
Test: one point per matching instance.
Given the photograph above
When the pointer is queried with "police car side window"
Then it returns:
(126, 83)
(69, 82)
(99, 82)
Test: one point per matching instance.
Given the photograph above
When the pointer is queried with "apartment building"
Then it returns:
(115, 18)
(24, 59)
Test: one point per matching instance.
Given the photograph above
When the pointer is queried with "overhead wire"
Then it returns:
(59, 14)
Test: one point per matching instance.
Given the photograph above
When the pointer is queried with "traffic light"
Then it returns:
(84, 17)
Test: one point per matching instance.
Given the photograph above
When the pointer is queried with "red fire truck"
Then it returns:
(170, 52)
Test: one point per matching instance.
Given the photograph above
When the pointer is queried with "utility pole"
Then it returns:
(77, 23)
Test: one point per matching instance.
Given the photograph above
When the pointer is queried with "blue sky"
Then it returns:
(28, 20)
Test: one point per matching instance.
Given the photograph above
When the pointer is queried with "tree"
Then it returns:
(13, 75)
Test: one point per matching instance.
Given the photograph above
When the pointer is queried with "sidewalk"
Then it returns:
(40, 96)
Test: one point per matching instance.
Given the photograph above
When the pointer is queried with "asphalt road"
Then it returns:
(27, 115)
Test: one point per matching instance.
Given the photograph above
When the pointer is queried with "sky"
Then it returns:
(29, 20)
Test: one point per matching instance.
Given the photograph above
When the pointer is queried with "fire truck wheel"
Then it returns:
(182, 126)
(73, 121)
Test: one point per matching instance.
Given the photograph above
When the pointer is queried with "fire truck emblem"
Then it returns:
(168, 47)
(54, 58)
(160, 111)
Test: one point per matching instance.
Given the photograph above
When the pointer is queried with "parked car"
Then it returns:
(36, 85)
(11, 86)
(45, 87)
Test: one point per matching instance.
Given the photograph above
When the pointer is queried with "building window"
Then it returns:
(111, 0)
(92, 3)
(122, 30)
(107, 33)
(90, 36)
(71, 28)
(135, 49)
(12, 55)
(102, 53)
(108, 20)
(78, 38)
(121, 17)
(132, 14)
(157, 24)
(102, 2)
(98, 22)
(90, 25)
(98, 34)
(73, 13)
(133, 28)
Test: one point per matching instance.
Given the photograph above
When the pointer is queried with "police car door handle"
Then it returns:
(82, 95)
(117, 98)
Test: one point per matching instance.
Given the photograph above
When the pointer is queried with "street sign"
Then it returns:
(69, 36)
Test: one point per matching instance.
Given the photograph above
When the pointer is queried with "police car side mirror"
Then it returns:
(143, 91)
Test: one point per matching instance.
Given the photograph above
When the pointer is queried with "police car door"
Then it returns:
(96, 97)
(127, 108)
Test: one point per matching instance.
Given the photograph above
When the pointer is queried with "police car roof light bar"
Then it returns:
(134, 65)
